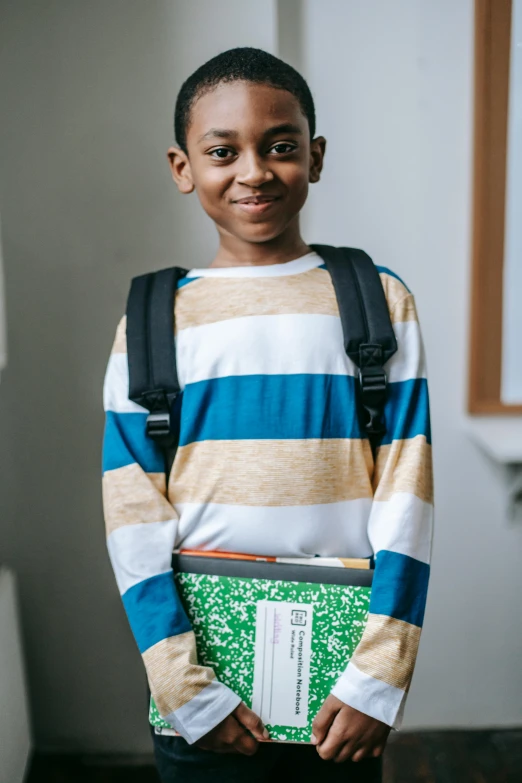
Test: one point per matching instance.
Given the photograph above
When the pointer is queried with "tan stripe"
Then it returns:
(120, 341)
(405, 311)
(131, 496)
(387, 650)
(394, 290)
(404, 466)
(271, 472)
(208, 300)
(173, 673)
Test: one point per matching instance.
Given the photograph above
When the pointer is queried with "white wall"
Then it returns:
(86, 202)
(511, 382)
(393, 86)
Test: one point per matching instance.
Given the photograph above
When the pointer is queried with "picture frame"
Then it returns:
(493, 19)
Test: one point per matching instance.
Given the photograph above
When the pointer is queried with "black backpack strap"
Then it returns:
(369, 339)
(151, 351)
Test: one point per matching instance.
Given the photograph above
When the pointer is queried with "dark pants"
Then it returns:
(179, 762)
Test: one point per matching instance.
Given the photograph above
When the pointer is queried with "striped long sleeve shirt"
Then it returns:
(272, 460)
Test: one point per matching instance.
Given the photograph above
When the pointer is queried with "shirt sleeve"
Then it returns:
(377, 679)
(141, 529)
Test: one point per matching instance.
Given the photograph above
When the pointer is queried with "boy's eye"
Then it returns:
(220, 149)
(290, 148)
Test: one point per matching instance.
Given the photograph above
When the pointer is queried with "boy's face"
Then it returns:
(234, 153)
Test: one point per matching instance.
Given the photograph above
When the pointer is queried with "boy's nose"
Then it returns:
(255, 173)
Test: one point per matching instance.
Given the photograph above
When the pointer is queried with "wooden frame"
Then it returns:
(492, 54)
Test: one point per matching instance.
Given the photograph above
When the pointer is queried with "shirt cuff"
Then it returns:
(203, 712)
(373, 697)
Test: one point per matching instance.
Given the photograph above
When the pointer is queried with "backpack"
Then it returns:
(369, 341)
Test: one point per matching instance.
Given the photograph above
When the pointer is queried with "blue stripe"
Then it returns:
(386, 271)
(280, 407)
(155, 611)
(270, 407)
(322, 266)
(185, 280)
(125, 442)
(407, 411)
(400, 586)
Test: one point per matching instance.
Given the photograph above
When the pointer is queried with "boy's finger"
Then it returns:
(230, 735)
(223, 737)
(246, 744)
(251, 721)
(332, 747)
(335, 741)
(345, 753)
(322, 722)
(359, 754)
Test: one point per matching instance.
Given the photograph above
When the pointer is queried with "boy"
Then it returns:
(267, 462)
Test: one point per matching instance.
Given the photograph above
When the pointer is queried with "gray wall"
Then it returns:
(15, 735)
(87, 202)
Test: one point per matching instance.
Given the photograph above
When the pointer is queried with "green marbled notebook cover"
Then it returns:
(225, 641)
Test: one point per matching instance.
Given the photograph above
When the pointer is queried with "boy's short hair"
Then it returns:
(243, 63)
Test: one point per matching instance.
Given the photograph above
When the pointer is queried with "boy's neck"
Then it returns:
(235, 252)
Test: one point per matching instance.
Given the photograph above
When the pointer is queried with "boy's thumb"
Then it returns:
(251, 721)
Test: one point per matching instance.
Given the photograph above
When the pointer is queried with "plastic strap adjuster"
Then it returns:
(158, 425)
(373, 380)
(373, 385)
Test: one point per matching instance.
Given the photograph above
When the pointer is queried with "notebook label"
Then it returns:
(282, 662)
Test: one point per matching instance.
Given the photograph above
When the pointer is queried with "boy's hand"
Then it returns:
(234, 733)
(341, 732)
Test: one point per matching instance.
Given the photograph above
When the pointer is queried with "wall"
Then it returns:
(3, 317)
(87, 202)
(511, 381)
(397, 111)
(15, 734)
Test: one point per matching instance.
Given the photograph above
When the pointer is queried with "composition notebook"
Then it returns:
(278, 631)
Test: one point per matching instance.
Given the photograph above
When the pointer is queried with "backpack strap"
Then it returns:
(369, 339)
(151, 351)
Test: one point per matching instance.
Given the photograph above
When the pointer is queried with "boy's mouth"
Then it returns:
(256, 204)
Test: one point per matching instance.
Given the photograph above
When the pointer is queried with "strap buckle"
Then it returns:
(373, 380)
(159, 422)
(158, 425)
(373, 385)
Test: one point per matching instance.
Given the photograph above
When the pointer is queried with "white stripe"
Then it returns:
(294, 267)
(262, 345)
(402, 524)
(138, 552)
(328, 530)
(410, 360)
(199, 715)
(284, 344)
(116, 386)
(371, 696)
(265, 345)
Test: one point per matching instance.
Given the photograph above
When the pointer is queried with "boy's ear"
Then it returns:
(180, 168)
(317, 150)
